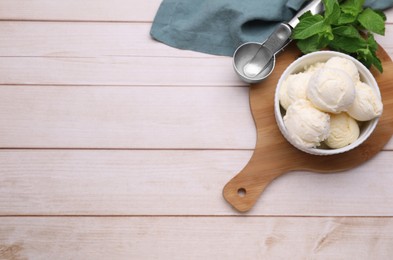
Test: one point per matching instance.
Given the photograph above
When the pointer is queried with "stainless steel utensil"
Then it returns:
(254, 61)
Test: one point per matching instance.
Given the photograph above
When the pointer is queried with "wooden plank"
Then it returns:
(75, 10)
(104, 70)
(148, 182)
(88, 10)
(125, 71)
(389, 15)
(59, 39)
(196, 238)
(126, 117)
(46, 53)
(389, 145)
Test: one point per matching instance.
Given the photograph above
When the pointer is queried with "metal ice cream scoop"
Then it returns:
(254, 61)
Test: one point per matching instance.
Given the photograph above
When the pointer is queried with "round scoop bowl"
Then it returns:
(366, 128)
(245, 53)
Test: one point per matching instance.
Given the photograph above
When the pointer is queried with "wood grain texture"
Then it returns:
(63, 61)
(105, 70)
(174, 117)
(192, 238)
(274, 156)
(190, 117)
(67, 39)
(105, 54)
(75, 10)
(181, 183)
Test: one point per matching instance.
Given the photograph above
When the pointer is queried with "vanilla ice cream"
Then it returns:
(331, 90)
(306, 125)
(294, 88)
(367, 105)
(314, 67)
(344, 130)
(326, 102)
(344, 64)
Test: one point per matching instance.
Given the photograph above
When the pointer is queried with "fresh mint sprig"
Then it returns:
(345, 26)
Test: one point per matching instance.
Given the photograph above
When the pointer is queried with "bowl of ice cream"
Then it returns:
(327, 103)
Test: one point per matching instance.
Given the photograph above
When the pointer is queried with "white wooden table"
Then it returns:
(114, 146)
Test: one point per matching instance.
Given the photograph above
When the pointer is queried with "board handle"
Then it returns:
(243, 190)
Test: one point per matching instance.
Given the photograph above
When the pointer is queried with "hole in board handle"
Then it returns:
(241, 192)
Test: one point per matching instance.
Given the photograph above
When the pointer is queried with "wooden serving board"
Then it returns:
(274, 156)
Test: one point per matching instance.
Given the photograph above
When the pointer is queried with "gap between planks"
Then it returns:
(74, 21)
(137, 149)
(194, 216)
(123, 149)
(177, 184)
(90, 21)
(98, 10)
(244, 85)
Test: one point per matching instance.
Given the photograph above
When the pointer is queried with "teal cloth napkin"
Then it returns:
(220, 26)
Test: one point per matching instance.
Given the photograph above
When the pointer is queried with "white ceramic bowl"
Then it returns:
(366, 128)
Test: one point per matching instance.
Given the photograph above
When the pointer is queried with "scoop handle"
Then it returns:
(315, 7)
(279, 38)
(282, 35)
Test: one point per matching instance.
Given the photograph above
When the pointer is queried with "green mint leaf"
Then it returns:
(346, 30)
(345, 19)
(314, 43)
(382, 14)
(305, 15)
(309, 45)
(369, 58)
(368, 54)
(324, 39)
(310, 26)
(344, 26)
(332, 11)
(352, 7)
(347, 44)
(372, 21)
(372, 43)
(328, 4)
(347, 39)
(365, 56)
(377, 63)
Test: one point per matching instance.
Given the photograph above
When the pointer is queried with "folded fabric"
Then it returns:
(220, 26)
